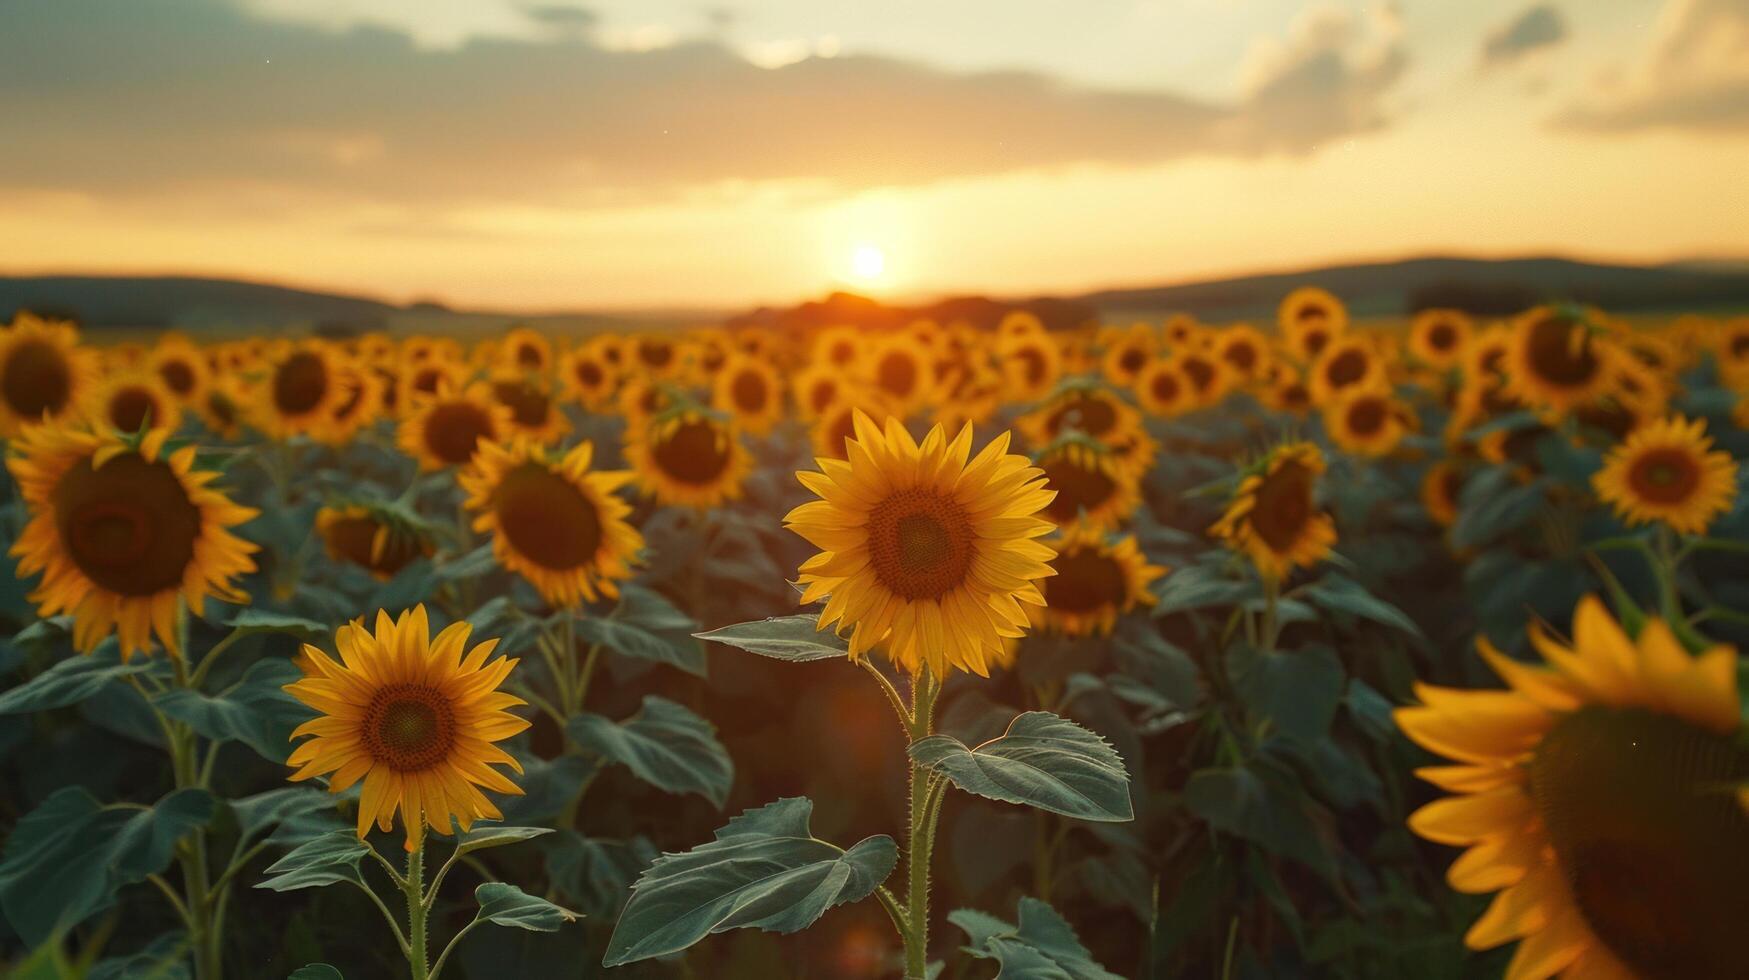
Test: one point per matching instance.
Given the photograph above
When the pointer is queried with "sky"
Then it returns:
(534, 154)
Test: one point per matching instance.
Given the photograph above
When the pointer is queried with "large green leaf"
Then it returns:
(507, 905)
(332, 857)
(1044, 761)
(255, 711)
(665, 745)
(1296, 692)
(1201, 586)
(262, 812)
(596, 873)
(1340, 594)
(257, 621)
(794, 638)
(1043, 946)
(1259, 806)
(765, 869)
(67, 858)
(647, 626)
(485, 835)
(164, 958)
(71, 680)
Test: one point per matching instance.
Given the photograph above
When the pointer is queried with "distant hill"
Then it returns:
(1492, 287)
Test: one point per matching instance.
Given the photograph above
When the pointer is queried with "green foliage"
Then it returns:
(255, 711)
(507, 905)
(665, 744)
(72, 680)
(332, 857)
(794, 638)
(647, 626)
(1042, 946)
(1043, 761)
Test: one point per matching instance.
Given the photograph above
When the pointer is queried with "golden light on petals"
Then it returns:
(1274, 517)
(1667, 471)
(688, 458)
(1097, 579)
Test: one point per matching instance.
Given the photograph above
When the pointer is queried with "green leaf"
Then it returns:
(71, 681)
(765, 870)
(475, 564)
(259, 813)
(1201, 586)
(493, 835)
(1493, 516)
(665, 745)
(315, 971)
(1296, 692)
(794, 638)
(332, 857)
(596, 873)
(1259, 808)
(507, 905)
(66, 859)
(164, 958)
(647, 626)
(1043, 761)
(255, 711)
(1338, 593)
(252, 622)
(1043, 946)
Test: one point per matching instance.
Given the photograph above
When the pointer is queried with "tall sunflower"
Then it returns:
(44, 373)
(412, 715)
(553, 521)
(1596, 796)
(685, 457)
(1274, 517)
(1098, 578)
(1668, 471)
(124, 534)
(447, 430)
(922, 550)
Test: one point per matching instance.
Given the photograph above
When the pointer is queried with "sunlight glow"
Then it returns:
(868, 262)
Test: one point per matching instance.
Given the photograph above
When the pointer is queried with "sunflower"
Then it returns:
(654, 356)
(123, 534)
(1031, 363)
(1097, 580)
(1126, 357)
(1557, 360)
(371, 537)
(1595, 795)
(1274, 516)
(1164, 390)
(301, 390)
(182, 367)
(553, 521)
(748, 390)
(1310, 318)
(1439, 337)
(223, 405)
(131, 401)
(447, 430)
(1347, 363)
(44, 373)
(1730, 344)
(588, 378)
(1367, 422)
(1286, 391)
(412, 715)
(423, 379)
(837, 348)
(903, 370)
(1244, 350)
(1083, 406)
(527, 350)
(817, 388)
(1209, 376)
(642, 399)
(1181, 331)
(359, 404)
(1667, 471)
(685, 457)
(533, 411)
(1092, 484)
(922, 550)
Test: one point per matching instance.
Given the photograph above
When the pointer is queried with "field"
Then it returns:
(1377, 648)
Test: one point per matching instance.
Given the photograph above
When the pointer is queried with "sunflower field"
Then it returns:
(1173, 649)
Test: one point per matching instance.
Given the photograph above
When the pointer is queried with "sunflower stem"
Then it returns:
(889, 690)
(414, 890)
(925, 803)
(211, 657)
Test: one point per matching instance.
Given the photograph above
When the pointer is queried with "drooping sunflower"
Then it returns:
(1346, 364)
(1311, 318)
(1087, 407)
(1596, 795)
(1557, 359)
(446, 430)
(534, 413)
(553, 521)
(1093, 485)
(131, 401)
(44, 373)
(904, 371)
(1368, 422)
(1440, 488)
(412, 715)
(588, 378)
(1098, 579)
(748, 390)
(124, 534)
(1439, 337)
(1274, 517)
(1667, 471)
(181, 366)
(302, 388)
(688, 458)
(372, 537)
(923, 551)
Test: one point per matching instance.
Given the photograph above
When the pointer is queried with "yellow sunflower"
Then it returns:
(903, 370)
(837, 348)
(446, 430)
(1730, 344)
(359, 405)
(534, 412)
(1366, 422)
(748, 390)
(1285, 390)
(132, 400)
(1087, 407)
(1310, 318)
(302, 388)
(817, 388)
(655, 356)
(588, 378)
(412, 715)
(44, 373)
(525, 349)
(1440, 488)
(1244, 350)
(1209, 376)
(1274, 517)
(1557, 360)
(1668, 471)
(181, 366)
(367, 536)
(688, 458)
(1031, 363)
(1346, 364)
(1126, 357)
(1164, 390)
(1596, 796)
(922, 550)
(423, 379)
(1439, 337)
(553, 521)
(1093, 485)
(123, 534)
(1097, 580)
(642, 399)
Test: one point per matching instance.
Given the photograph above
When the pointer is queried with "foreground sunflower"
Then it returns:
(922, 550)
(412, 715)
(1274, 517)
(44, 373)
(1596, 795)
(1097, 580)
(688, 458)
(124, 534)
(553, 521)
(1668, 471)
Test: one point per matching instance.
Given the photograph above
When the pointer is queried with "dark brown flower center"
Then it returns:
(133, 408)
(920, 543)
(1283, 506)
(1314, 341)
(655, 353)
(1241, 354)
(1560, 352)
(529, 406)
(352, 539)
(1642, 814)
(1032, 365)
(36, 379)
(1665, 476)
(178, 376)
(1442, 337)
(1132, 360)
(409, 727)
(821, 395)
(750, 392)
(1367, 416)
(1165, 387)
(1078, 488)
(128, 526)
(546, 518)
(697, 453)
(838, 429)
(1346, 368)
(529, 355)
(589, 374)
(453, 431)
(1086, 581)
(300, 383)
(1200, 372)
(1086, 413)
(896, 373)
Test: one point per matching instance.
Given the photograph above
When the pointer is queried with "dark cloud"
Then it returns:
(1542, 26)
(1694, 75)
(117, 97)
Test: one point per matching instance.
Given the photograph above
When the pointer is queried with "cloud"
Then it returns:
(1538, 28)
(1693, 75)
(121, 98)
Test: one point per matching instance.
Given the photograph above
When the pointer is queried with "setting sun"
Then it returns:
(868, 262)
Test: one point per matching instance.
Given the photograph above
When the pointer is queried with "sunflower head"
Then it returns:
(817, 387)
(1346, 364)
(1164, 391)
(534, 412)
(1438, 338)
(903, 369)
(1667, 471)
(381, 539)
(1208, 375)
(1031, 363)
(1558, 358)
(361, 402)
(1366, 422)
(304, 384)
(1440, 488)
(588, 377)
(553, 521)
(1085, 406)
(837, 348)
(925, 549)
(44, 373)
(1092, 484)
(413, 716)
(1098, 578)
(1274, 517)
(1310, 318)
(688, 457)
(132, 401)
(525, 350)
(124, 533)
(181, 366)
(1596, 795)
(1244, 351)
(1127, 355)
(748, 390)
(446, 430)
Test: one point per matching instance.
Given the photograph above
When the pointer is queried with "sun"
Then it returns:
(868, 262)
